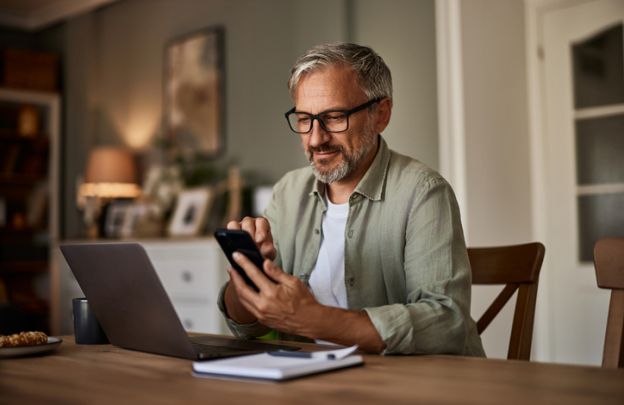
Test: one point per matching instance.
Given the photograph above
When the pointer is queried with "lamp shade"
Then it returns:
(111, 173)
(110, 165)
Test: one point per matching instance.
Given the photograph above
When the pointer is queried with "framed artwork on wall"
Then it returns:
(194, 92)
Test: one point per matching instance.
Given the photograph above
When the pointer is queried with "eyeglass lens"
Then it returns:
(330, 121)
(302, 122)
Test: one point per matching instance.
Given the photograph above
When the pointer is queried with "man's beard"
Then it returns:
(349, 163)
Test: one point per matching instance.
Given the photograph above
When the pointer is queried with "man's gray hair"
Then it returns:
(373, 75)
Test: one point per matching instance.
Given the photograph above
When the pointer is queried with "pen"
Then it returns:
(298, 354)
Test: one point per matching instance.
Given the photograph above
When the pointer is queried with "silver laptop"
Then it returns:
(133, 308)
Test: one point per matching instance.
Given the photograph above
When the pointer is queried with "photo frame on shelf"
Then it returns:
(134, 213)
(115, 218)
(191, 211)
(194, 92)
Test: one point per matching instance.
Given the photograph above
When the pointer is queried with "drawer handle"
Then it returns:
(187, 276)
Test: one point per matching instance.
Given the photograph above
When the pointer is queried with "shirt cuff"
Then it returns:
(391, 322)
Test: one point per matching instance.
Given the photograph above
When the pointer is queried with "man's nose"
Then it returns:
(318, 135)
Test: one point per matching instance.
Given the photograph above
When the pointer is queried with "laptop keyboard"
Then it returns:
(214, 352)
(213, 347)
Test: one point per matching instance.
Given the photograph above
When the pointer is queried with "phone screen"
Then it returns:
(240, 241)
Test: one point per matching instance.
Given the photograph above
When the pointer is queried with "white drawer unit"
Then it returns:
(193, 318)
(192, 272)
(186, 268)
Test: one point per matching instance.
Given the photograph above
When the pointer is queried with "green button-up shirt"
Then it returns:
(405, 260)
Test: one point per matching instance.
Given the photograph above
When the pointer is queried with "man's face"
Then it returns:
(335, 156)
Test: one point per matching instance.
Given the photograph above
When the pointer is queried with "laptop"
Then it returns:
(130, 302)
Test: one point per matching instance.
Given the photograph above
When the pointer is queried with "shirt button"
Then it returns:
(316, 231)
(351, 282)
(351, 233)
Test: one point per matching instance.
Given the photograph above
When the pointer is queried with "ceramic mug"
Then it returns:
(87, 329)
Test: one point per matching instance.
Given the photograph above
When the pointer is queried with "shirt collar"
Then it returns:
(372, 184)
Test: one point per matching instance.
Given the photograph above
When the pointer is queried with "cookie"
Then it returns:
(23, 339)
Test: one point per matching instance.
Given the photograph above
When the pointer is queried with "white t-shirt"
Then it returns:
(327, 279)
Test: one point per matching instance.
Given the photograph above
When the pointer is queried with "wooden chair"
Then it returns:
(609, 264)
(517, 267)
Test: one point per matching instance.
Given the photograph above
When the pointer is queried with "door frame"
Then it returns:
(450, 86)
(534, 19)
(451, 123)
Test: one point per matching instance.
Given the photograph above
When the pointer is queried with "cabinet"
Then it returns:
(29, 173)
(192, 272)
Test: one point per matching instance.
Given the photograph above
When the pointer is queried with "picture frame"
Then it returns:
(191, 211)
(115, 218)
(194, 92)
(134, 213)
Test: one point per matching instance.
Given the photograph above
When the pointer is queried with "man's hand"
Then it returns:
(260, 232)
(287, 305)
(284, 304)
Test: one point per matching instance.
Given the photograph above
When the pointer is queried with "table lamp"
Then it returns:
(110, 174)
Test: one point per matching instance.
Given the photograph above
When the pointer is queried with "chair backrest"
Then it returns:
(517, 267)
(609, 264)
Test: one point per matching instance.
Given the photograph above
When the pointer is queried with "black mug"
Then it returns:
(87, 329)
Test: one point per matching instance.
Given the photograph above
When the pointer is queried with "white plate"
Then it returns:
(53, 343)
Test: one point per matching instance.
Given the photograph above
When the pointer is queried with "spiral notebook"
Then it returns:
(278, 366)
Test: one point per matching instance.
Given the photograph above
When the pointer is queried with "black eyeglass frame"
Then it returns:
(317, 117)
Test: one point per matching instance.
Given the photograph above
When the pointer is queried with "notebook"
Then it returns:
(277, 366)
(129, 301)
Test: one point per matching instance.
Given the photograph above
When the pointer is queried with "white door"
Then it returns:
(583, 169)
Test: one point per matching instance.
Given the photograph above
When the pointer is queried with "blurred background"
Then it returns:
(104, 135)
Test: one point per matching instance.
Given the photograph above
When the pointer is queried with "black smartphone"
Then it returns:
(240, 241)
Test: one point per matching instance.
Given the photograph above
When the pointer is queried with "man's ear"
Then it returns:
(383, 113)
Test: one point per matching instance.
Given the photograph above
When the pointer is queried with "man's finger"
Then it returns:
(240, 287)
(233, 225)
(275, 273)
(249, 224)
(254, 273)
(237, 280)
(263, 230)
(264, 238)
(244, 291)
(268, 250)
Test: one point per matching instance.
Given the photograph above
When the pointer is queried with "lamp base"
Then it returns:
(92, 216)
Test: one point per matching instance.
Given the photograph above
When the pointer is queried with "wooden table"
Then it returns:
(77, 374)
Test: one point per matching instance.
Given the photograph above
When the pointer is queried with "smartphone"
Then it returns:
(240, 241)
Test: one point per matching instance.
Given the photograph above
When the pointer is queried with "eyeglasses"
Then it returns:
(330, 120)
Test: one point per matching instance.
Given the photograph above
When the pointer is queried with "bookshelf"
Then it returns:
(29, 212)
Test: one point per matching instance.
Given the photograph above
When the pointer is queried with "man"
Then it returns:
(365, 246)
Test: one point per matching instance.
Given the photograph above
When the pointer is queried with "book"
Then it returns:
(278, 366)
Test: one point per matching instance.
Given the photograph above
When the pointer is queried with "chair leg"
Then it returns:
(613, 356)
(522, 329)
